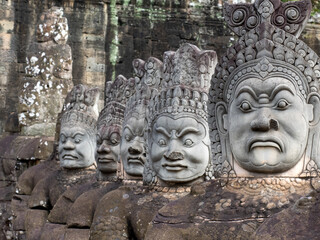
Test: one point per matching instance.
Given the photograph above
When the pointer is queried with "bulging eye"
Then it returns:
(188, 142)
(128, 137)
(115, 138)
(114, 141)
(162, 142)
(245, 106)
(77, 140)
(62, 138)
(282, 104)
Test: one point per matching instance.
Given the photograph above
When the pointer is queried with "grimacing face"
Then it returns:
(108, 148)
(268, 125)
(178, 149)
(132, 146)
(76, 148)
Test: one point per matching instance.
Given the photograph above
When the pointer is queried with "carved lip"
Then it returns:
(175, 167)
(136, 160)
(105, 160)
(266, 142)
(69, 157)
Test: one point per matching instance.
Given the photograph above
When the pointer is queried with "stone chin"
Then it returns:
(74, 164)
(180, 177)
(110, 167)
(134, 169)
(267, 160)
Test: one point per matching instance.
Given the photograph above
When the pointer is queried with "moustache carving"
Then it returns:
(174, 156)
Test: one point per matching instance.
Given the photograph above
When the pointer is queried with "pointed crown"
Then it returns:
(117, 94)
(268, 48)
(290, 16)
(147, 81)
(186, 81)
(81, 107)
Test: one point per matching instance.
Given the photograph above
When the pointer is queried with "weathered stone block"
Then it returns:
(77, 234)
(94, 66)
(12, 123)
(53, 232)
(6, 193)
(35, 219)
(19, 209)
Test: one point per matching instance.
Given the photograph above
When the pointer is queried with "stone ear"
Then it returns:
(314, 111)
(221, 117)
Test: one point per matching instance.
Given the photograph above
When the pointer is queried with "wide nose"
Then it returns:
(136, 147)
(264, 122)
(103, 148)
(174, 152)
(68, 145)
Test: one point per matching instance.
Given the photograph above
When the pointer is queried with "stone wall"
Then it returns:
(105, 36)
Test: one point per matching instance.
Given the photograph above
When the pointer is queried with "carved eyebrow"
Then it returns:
(249, 90)
(279, 88)
(77, 133)
(129, 128)
(187, 130)
(163, 131)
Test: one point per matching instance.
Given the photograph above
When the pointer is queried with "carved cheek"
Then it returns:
(124, 150)
(157, 152)
(115, 150)
(200, 158)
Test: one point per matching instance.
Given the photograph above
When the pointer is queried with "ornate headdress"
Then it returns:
(147, 80)
(116, 96)
(186, 81)
(184, 89)
(268, 44)
(81, 108)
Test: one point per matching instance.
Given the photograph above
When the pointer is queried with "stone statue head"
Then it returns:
(77, 141)
(264, 99)
(178, 132)
(53, 26)
(133, 154)
(109, 126)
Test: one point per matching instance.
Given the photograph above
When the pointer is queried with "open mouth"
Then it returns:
(69, 157)
(137, 160)
(174, 167)
(266, 142)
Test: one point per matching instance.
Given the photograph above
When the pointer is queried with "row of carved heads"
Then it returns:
(158, 120)
(155, 125)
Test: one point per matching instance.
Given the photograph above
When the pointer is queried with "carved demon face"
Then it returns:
(132, 146)
(179, 148)
(108, 148)
(76, 148)
(268, 124)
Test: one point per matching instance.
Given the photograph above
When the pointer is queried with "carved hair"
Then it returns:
(116, 96)
(80, 109)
